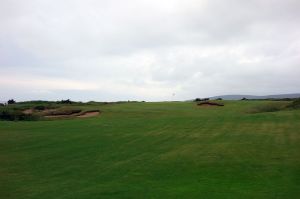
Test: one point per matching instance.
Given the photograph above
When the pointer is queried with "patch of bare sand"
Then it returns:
(28, 111)
(89, 114)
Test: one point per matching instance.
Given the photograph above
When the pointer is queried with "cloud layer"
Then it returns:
(148, 50)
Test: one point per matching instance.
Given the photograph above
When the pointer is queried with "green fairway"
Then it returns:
(154, 150)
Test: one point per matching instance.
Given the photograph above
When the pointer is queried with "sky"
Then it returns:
(153, 50)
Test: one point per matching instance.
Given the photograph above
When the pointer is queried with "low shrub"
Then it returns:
(201, 99)
(270, 107)
(44, 107)
(68, 101)
(11, 101)
(39, 108)
(16, 115)
(295, 104)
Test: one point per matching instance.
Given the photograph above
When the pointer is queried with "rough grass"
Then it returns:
(154, 150)
(270, 106)
(295, 104)
(39, 111)
(16, 115)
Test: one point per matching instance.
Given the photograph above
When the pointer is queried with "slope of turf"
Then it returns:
(154, 150)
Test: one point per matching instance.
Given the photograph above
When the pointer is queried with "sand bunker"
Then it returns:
(60, 116)
(27, 111)
(89, 114)
(62, 113)
(79, 115)
(209, 104)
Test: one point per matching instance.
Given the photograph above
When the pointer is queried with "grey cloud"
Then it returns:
(194, 48)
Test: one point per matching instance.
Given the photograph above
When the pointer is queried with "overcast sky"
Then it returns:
(108, 50)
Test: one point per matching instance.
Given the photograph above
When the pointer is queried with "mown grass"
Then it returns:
(154, 150)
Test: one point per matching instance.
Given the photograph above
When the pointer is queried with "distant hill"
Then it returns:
(238, 97)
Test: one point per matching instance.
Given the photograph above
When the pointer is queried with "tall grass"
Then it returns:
(268, 107)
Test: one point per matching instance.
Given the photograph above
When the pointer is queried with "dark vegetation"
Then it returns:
(271, 99)
(45, 107)
(267, 107)
(40, 107)
(283, 99)
(201, 99)
(11, 101)
(16, 115)
(209, 103)
(68, 101)
(277, 105)
(295, 104)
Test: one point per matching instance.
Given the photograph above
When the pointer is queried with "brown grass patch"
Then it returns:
(207, 103)
(28, 111)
